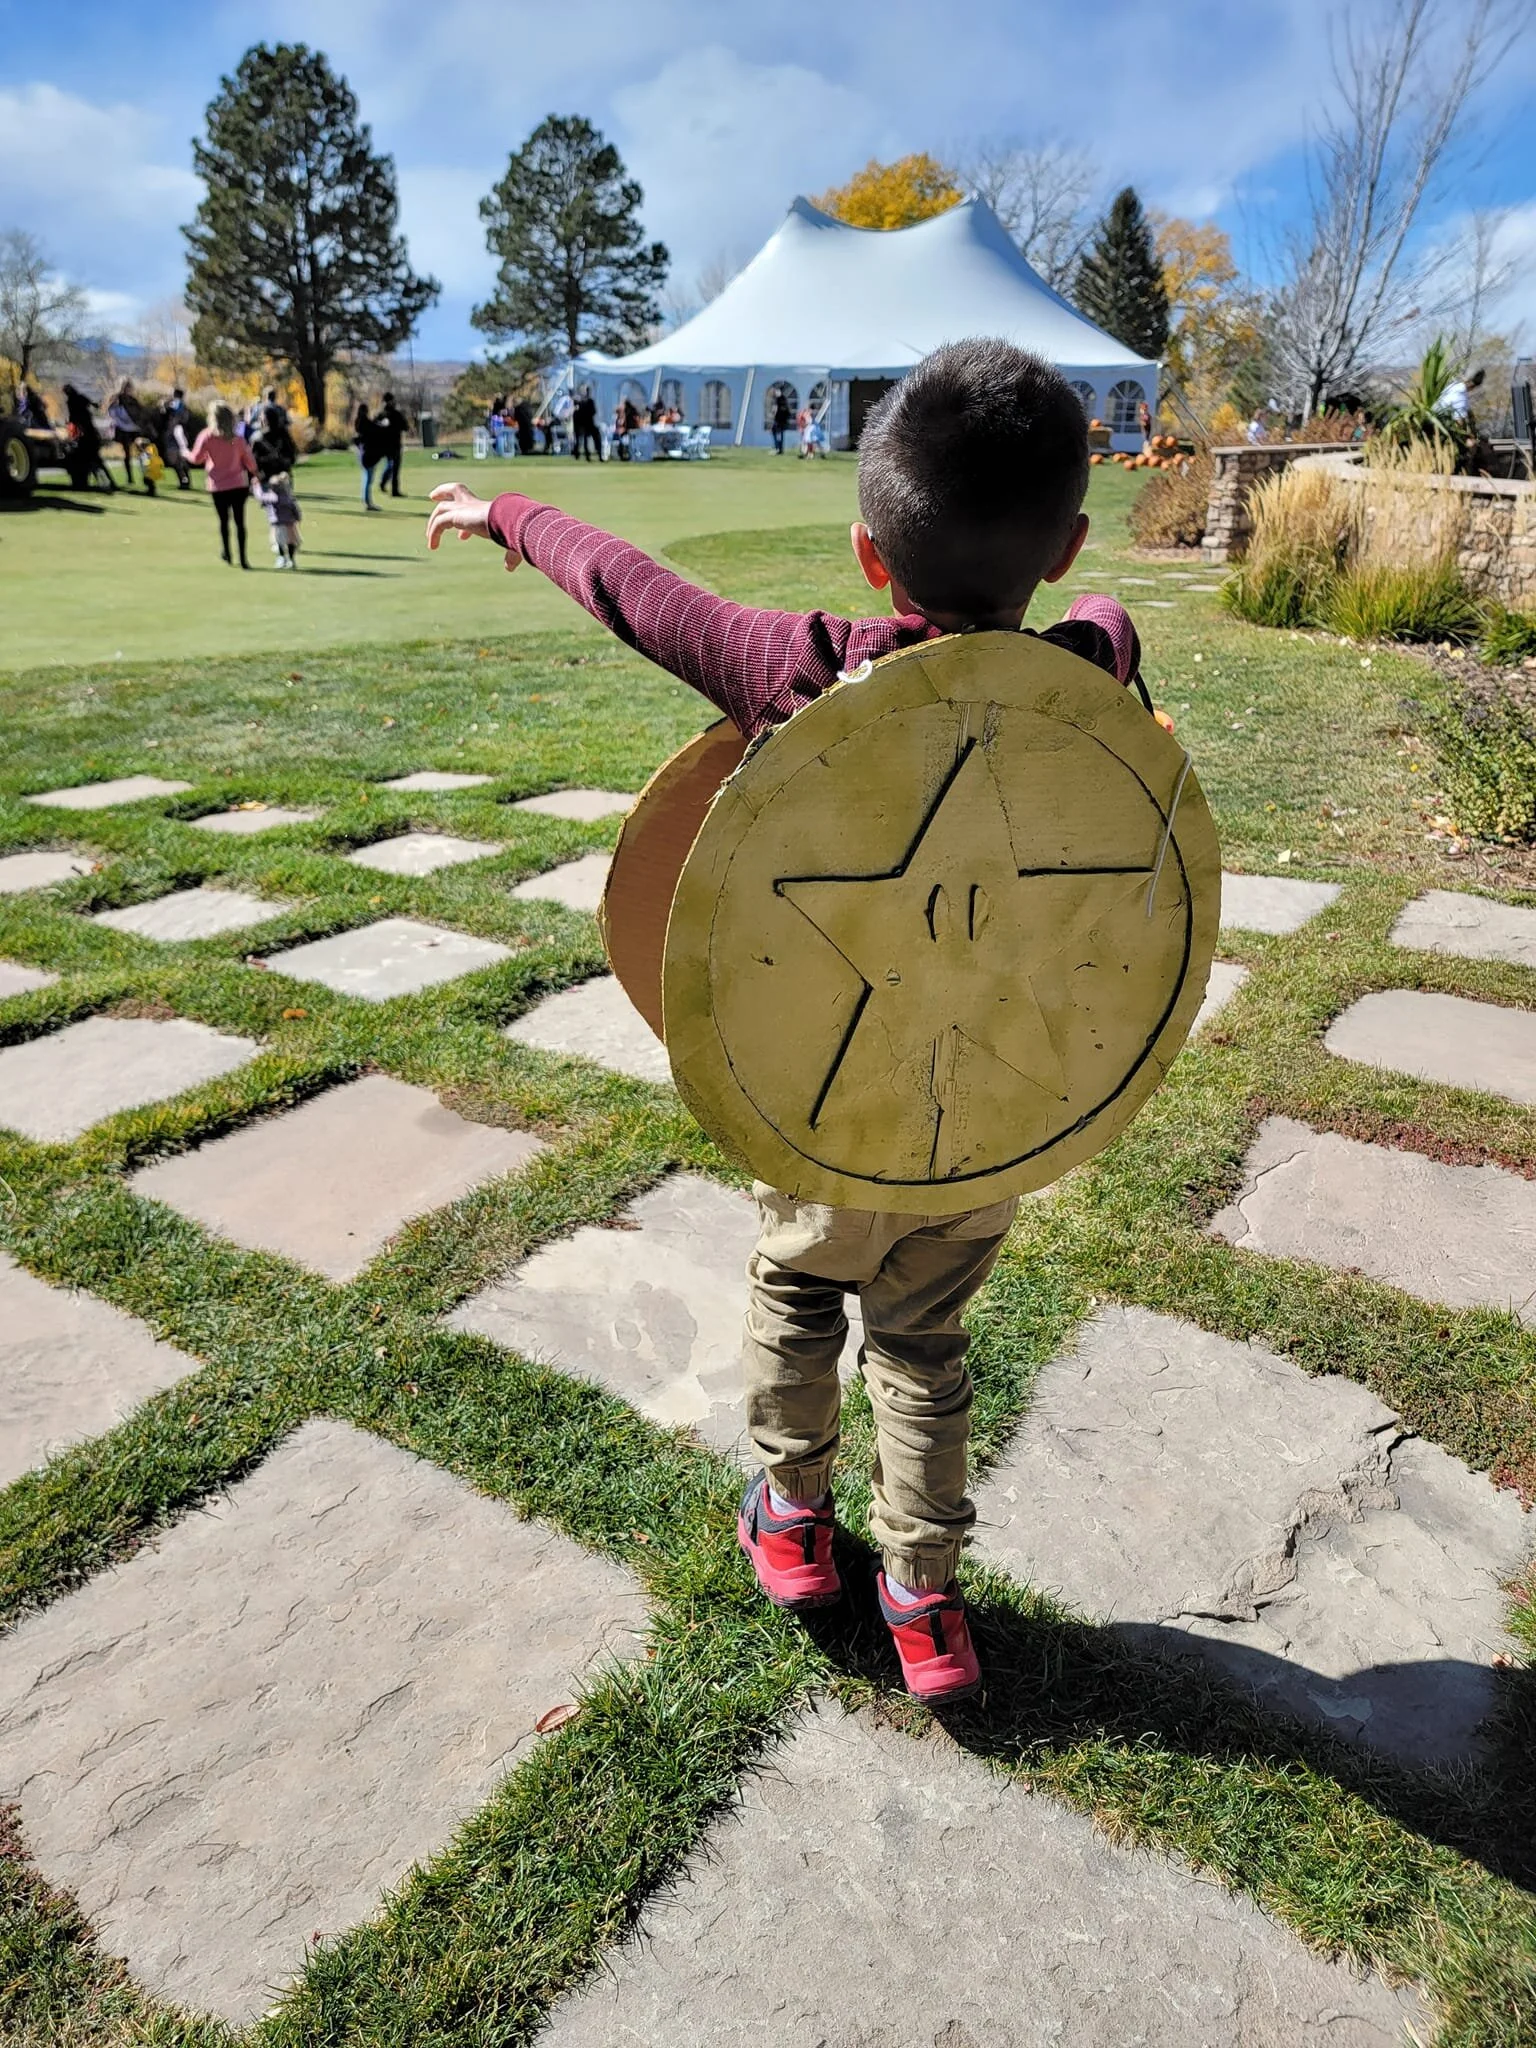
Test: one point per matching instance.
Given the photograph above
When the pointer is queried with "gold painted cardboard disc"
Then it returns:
(910, 963)
(655, 840)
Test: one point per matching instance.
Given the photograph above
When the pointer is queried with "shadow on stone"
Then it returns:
(1050, 1684)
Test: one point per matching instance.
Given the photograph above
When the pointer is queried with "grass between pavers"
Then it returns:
(1424, 1874)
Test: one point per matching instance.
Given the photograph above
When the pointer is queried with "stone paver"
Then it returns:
(1446, 922)
(242, 1736)
(1223, 985)
(395, 956)
(584, 805)
(653, 1312)
(98, 796)
(1441, 1038)
(192, 914)
(16, 980)
(1273, 903)
(243, 823)
(57, 1086)
(869, 1891)
(19, 871)
(598, 1022)
(421, 853)
(578, 884)
(1210, 1496)
(1463, 1235)
(436, 778)
(331, 1182)
(71, 1367)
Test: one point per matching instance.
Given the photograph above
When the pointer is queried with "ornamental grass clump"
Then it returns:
(1170, 512)
(1306, 526)
(1384, 601)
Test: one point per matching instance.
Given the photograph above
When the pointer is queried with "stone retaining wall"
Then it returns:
(1406, 518)
(1236, 472)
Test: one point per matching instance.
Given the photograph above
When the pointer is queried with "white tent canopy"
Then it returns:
(835, 313)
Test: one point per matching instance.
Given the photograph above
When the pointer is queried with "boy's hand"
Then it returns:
(456, 509)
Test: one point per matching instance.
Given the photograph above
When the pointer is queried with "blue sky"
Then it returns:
(723, 113)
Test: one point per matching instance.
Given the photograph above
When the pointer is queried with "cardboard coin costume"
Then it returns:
(937, 938)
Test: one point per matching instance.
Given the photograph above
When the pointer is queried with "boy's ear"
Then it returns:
(1070, 552)
(865, 553)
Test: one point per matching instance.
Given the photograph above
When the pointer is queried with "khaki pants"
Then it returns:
(914, 1276)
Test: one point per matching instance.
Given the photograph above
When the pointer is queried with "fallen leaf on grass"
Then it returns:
(639, 1536)
(295, 1013)
(1502, 1661)
(555, 1717)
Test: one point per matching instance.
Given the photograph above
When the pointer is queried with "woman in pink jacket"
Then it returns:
(230, 466)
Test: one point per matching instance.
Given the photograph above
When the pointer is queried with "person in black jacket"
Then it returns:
(366, 440)
(522, 419)
(391, 428)
(585, 432)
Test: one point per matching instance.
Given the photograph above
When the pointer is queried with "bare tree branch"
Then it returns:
(1043, 194)
(1353, 275)
(39, 313)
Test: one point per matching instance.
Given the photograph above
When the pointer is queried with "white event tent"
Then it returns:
(834, 314)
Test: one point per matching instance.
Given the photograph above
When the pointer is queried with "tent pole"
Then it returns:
(746, 400)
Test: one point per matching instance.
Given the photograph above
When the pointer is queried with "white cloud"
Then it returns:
(440, 218)
(90, 181)
(721, 145)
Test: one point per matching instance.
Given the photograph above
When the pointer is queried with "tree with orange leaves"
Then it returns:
(894, 195)
(1213, 318)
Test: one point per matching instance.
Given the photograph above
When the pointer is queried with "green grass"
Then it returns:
(1427, 1875)
(88, 577)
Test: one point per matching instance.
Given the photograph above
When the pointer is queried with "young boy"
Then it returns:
(283, 516)
(972, 474)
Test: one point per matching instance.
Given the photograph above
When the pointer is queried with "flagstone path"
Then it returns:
(16, 979)
(236, 1739)
(329, 1183)
(22, 871)
(578, 884)
(396, 956)
(584, 805)
(421, 853)
(100, 796)
(436, 778)
(867, 1892)
(191, 914)
(57, 1086)
(244, 823)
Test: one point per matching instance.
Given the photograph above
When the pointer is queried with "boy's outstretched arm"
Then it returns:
(756, 666)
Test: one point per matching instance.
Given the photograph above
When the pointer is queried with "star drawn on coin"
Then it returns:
(958, 951)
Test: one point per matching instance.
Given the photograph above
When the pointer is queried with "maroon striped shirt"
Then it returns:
(756, 666)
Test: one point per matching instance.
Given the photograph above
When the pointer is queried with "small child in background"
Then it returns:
(283, 516)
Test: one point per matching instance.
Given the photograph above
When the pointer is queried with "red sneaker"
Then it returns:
(933, 1641)
(791, 1554)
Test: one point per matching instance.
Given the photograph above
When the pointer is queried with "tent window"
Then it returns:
(715, 403)
(632, 389)
(773, 394)
(818, 397)
(672, 393)
(1085, 397)
(1125, 402)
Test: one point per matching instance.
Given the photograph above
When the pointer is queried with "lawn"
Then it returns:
(308, 690)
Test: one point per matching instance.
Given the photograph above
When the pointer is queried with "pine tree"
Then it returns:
(294, 256)
(575, 271)
(1120, 284)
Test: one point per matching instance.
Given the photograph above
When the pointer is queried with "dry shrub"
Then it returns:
(1306, 526)
(1170, 512)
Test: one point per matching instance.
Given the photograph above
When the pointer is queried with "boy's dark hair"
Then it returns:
(972, 472)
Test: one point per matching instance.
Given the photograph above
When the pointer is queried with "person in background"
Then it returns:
(86, 458)
(391, 426)
(782, 417)
(229, 464)
(546, 427)
(1256, 430)
(522, 419)
(585, 432)
(365, 439)
(30, 409)
(174, 445)
(283, 517)
(125, 417)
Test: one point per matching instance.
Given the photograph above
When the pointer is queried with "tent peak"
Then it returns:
(816, 216)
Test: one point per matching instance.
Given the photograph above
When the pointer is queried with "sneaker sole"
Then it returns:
(790, 1602)
(946, 1697)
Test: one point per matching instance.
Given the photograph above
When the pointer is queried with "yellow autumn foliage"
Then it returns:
(894, 195)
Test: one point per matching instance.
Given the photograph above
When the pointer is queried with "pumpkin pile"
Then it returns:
(1161, 452)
